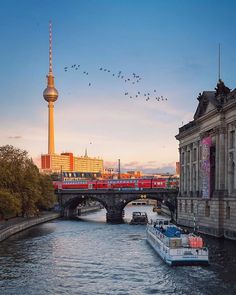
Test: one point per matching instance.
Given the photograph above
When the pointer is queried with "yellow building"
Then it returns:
(87, 164)
(67, 162)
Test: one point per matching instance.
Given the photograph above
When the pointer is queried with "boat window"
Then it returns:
(166, 222)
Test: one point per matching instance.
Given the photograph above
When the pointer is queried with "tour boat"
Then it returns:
(175, 245)
(139, 218)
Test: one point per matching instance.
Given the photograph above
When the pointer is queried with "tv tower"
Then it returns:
(50, 94)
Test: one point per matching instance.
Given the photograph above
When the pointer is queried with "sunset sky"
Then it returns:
(171, 45)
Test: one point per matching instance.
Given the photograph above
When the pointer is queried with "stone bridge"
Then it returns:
(114, 201)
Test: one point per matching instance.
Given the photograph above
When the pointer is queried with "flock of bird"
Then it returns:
(132, 80)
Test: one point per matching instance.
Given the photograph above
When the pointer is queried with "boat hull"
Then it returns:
(177, 257)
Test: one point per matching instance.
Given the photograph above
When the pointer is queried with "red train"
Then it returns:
(119, 184)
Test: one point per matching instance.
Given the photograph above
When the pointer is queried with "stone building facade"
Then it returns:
(207, 155)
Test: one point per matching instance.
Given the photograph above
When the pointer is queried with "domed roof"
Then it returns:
(50, 94)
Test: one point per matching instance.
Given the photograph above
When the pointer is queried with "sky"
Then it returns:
(172, 45)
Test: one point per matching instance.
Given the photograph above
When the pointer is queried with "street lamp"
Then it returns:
(118, 168)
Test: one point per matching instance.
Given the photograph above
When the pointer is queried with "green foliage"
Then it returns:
(47, 198)
(9, 204)
(21, 178)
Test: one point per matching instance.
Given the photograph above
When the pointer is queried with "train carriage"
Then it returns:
(119, 184)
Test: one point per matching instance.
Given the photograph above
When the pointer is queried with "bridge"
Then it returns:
(113, 200)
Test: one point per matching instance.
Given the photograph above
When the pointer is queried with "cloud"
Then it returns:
(145, 167)
(15, 137)
(118, 129)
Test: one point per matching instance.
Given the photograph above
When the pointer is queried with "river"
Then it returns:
(91, 257)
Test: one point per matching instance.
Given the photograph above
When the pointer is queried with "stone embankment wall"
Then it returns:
(89, 209)
(165, 210)
(15, 228)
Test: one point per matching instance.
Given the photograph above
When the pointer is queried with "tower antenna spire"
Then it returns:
(219, 61)
(50, 94)
(50, 46)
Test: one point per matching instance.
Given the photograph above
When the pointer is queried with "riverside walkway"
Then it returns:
(17, 224)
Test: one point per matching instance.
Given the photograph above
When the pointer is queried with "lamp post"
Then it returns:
(61, 174)
(118, 168)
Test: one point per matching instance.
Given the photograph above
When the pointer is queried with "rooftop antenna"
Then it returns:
(219, 61)
(50, 46)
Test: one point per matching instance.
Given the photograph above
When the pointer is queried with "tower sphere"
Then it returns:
(50, 94)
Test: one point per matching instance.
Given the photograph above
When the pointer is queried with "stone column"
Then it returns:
(217, 186)
(222, 159)
(185, 169)
(180, 170)
(197, 167)
(226, 151)
(229, 157)
(235, 161)
(190, 168)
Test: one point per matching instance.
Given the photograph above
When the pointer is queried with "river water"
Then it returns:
(89, 257)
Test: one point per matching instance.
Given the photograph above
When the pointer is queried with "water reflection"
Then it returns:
(93, 257)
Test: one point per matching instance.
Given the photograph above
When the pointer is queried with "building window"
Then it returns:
(188, 157)
(231, 139)
(194, 154)
(186, 206)
(191, 206)
(207, 209)
(180, 206)
(227, 211)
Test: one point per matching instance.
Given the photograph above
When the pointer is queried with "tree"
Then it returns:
(20, 177)
(47, 198)
(9, 204)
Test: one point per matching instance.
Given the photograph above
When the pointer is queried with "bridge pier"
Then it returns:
(115, 215)
(69, 213)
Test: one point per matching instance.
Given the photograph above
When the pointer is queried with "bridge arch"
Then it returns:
(70, 206)
(114, 201)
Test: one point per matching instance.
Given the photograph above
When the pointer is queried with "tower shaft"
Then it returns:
(51, 146)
